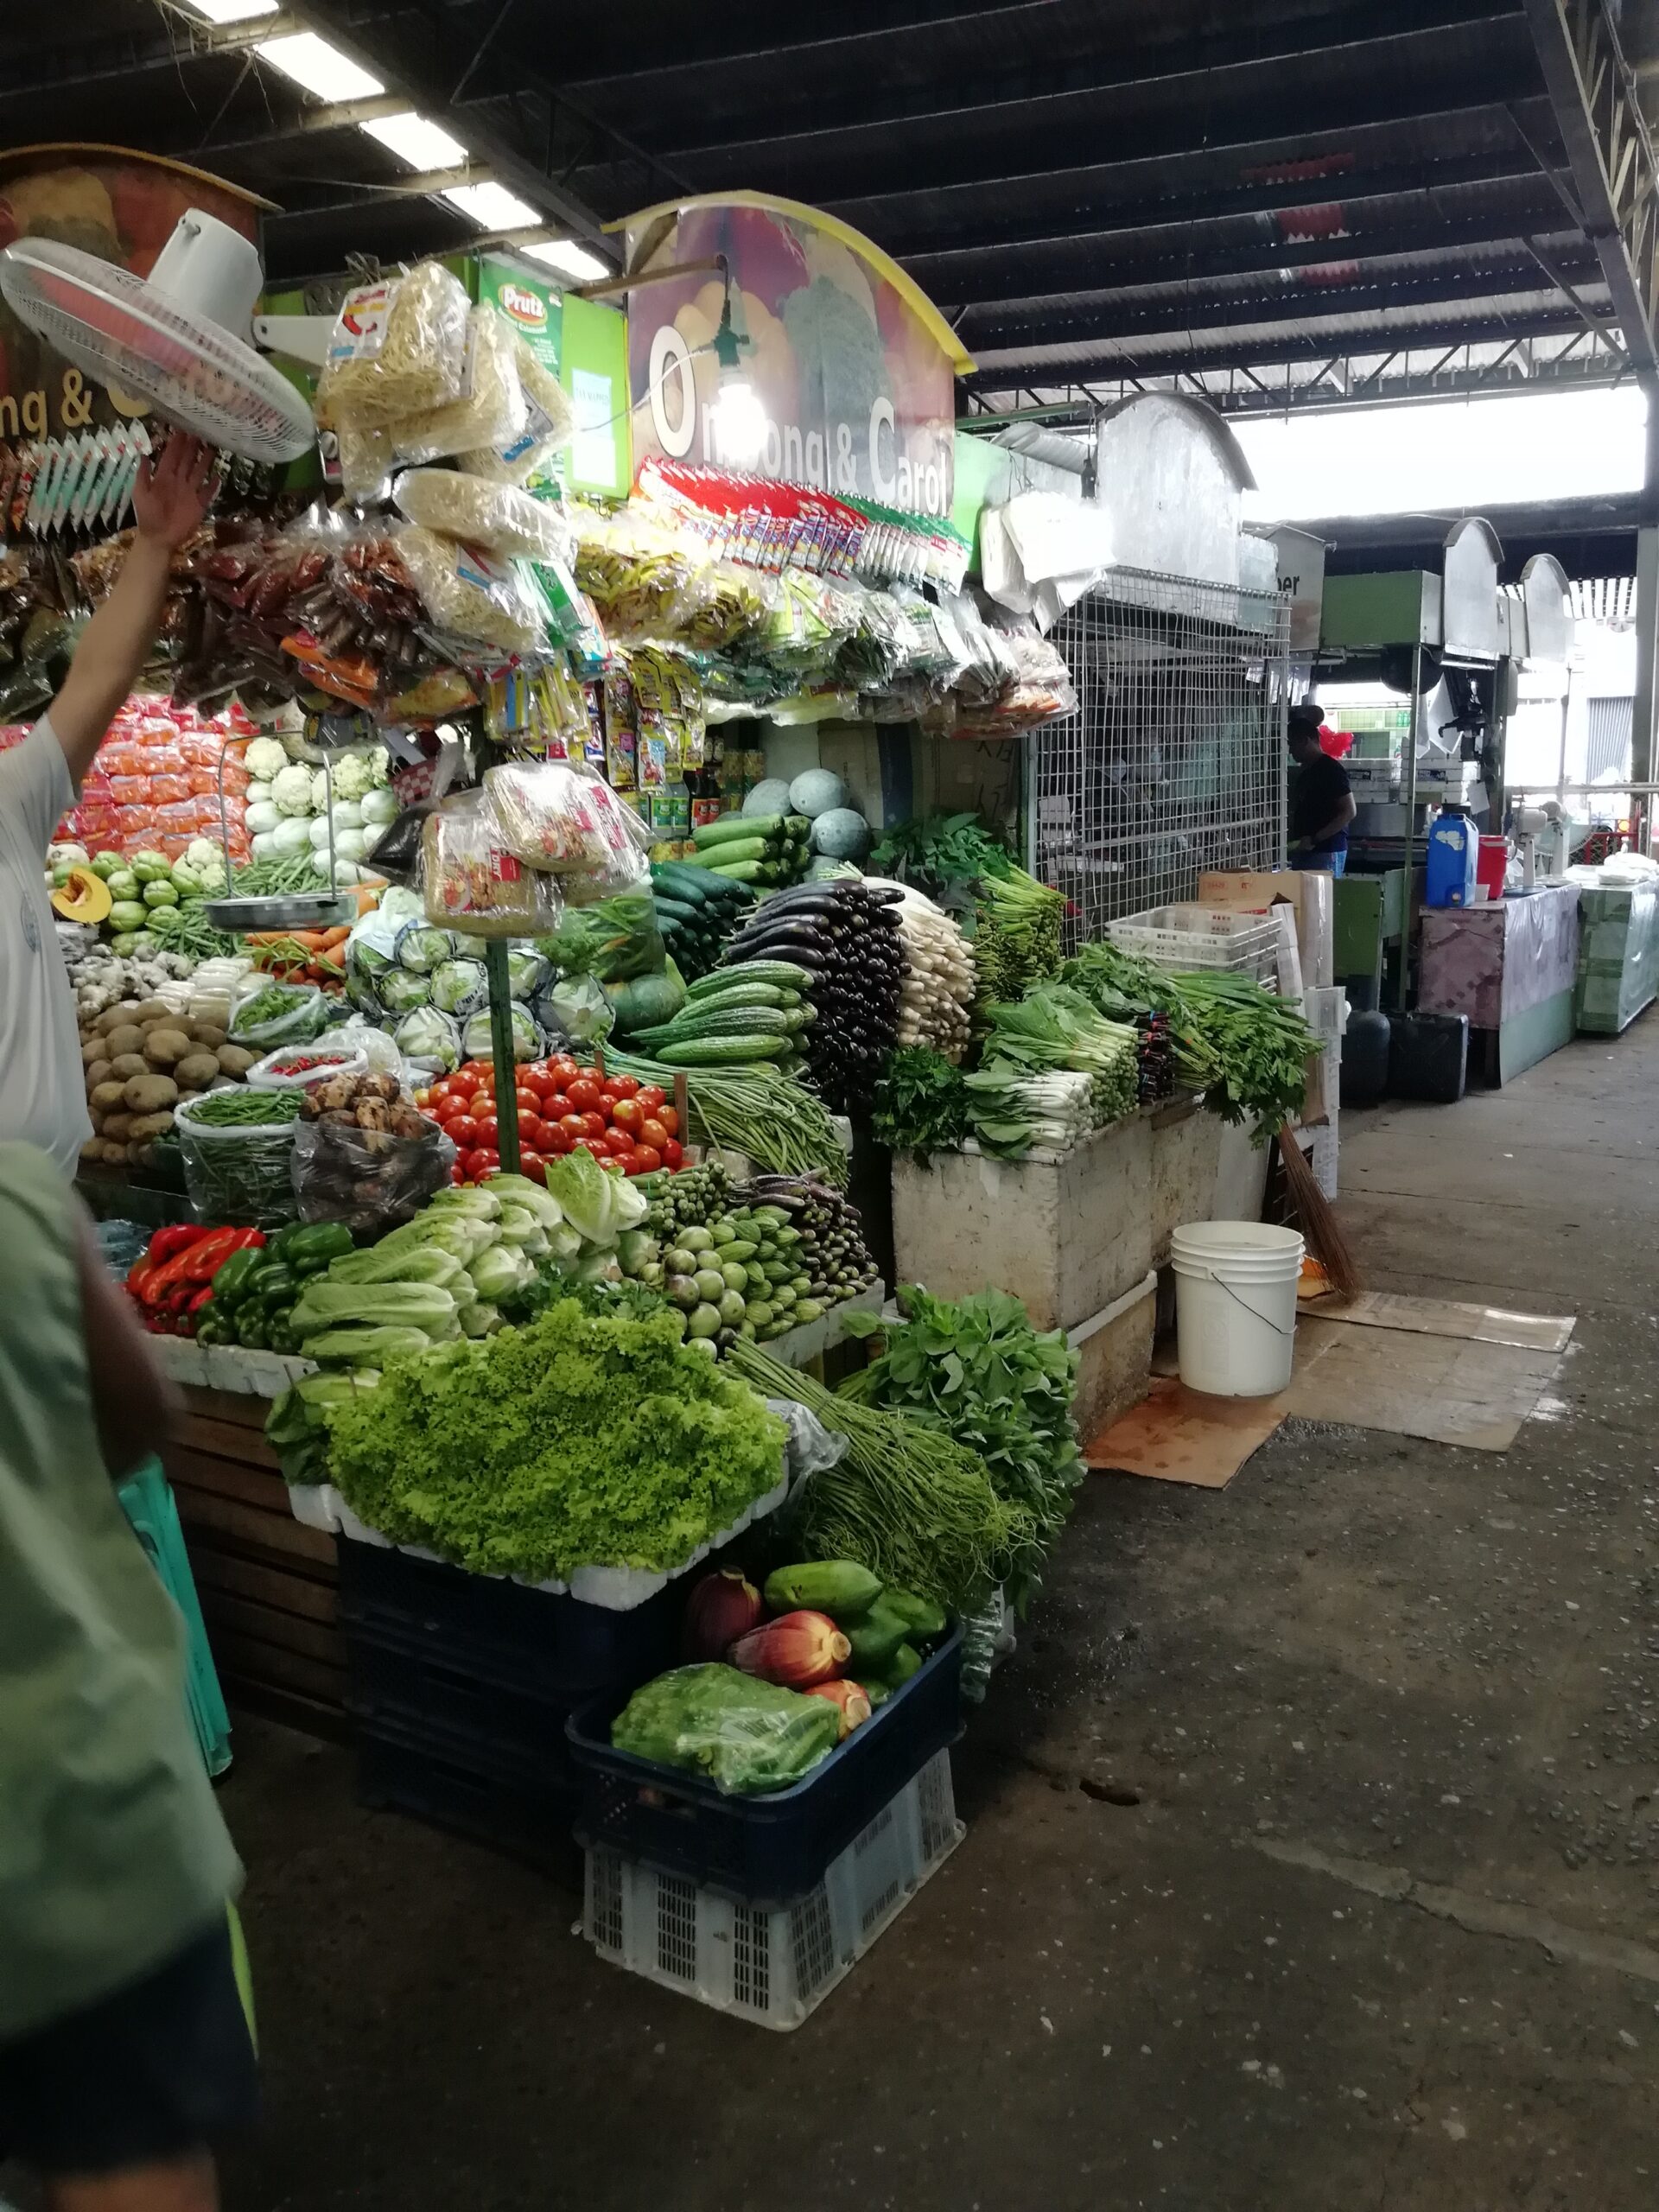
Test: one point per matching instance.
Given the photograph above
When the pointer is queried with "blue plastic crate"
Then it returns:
(767, 1850)
(422, 1693)
(457, 1787)
(536, 1644)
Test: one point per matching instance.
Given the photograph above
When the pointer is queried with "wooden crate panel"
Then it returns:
(277, 1537)
(282, 1589)
(241, 1618)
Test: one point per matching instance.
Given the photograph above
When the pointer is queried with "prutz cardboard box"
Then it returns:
(1309, 891)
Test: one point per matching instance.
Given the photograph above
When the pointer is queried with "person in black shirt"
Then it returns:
(1321, 801)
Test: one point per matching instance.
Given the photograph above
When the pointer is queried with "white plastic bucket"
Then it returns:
(1235, 1305)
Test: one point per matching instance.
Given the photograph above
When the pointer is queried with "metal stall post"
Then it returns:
(1411, 821)
(1646, 630)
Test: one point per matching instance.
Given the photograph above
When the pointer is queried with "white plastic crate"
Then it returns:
(1200, 937)
(773, 1967)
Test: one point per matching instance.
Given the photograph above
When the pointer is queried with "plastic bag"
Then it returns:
(550, 424)
(402, 989)
(576, 1006)
(986, 1637)
(397, 346)
(556, 816)
(744, 1735)
(473, 884)
(430, 1039)
(488, 410)
(367, 1179)
(264, 1014)
(527, 970)
(527, 1042)
(498, 517)
(471, 594)
(365, 461)
(237, 1178)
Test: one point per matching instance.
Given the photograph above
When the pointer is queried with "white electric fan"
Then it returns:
(174, 337)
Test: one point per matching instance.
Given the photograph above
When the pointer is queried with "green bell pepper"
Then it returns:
(250, 1331)
(273, 1281)
(230, 1282)
(312, 1246)
(280, 1331)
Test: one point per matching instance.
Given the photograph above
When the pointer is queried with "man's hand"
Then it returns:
(171, 496)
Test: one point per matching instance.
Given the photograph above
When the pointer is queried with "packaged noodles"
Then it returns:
(488, 410)
(498, 517)
(474, 885)
(549, 425)
(397, 347)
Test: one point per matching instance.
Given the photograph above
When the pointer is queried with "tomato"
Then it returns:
(671, 1153)
(608, 1094)
(541, 1083)
(592, 1125)
(424, 1099)
(483, 1090)
(475, 1067)
(563, 1070)
(489, 1130)
(669, 1120)
(532, 1131)
(530, 1101)
(532, 1164)
(573, 1125)
(647, 1160)
(462, 1131)
(617, 1166)
(556, 1141)
(652, 1132)
(478, 1163)
(650, 1097)
(583, 1094)
(624, 1085)
(625, 1113)
(591, 1145)
(555, 1106)
(458, 1173)
(618, 1143)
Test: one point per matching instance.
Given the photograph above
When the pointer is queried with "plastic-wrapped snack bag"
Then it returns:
(471, 594)
(488, 410)
(474, 884)
(555, 815)
(365, 461)
(502, 520)
(643, 578)
(549, 425)
(397, 347)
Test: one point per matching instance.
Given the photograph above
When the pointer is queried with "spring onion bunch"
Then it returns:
(1053, 1028)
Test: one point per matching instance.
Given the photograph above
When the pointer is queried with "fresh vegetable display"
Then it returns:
(144, 1059)
(1016, 934)
(754, 1108)
(843, 938)
(908, 1502)
(936, 999)
(256, 1290)
(696, 911)
(978, 1371)
(753, 849)
(729, 1017)
(563, 1105)
(576, 1440)
(174, 1283)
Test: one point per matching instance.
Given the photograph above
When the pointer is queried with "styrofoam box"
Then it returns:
(773, 1967)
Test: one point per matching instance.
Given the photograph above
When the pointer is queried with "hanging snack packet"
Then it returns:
(502, 520)
(474, 885)
(549, 425)
(471, 594)
(397, 348)
(553, 815)
(489, 406)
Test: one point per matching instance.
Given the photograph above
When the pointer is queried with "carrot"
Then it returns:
(331, 938)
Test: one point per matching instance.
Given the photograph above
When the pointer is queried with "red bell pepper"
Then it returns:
(139, 1274)
(199, 1297)
(168, 1243)
(197, 1264)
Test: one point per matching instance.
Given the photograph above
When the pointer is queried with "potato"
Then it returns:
(97, 1073)
(113, 1017)
(146, 1127)
(153, 1010)
(139, 1155)
(195, 1070)
(235, 1060)
(129, 1037)
(208, 1035)
(108, 1097)
(224, 1082)
(164, 1046)
(148, 1094)
(94, 1048)
(117, 1127)
(93, 1149)
(115, 1155)
(129, 1063)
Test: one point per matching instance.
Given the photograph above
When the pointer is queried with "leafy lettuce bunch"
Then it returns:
(579, 1440)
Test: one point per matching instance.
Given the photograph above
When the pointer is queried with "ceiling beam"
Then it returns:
(1614, 172)
(378, 49)
(31, 74)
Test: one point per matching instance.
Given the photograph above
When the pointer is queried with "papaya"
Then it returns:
(839, 1587)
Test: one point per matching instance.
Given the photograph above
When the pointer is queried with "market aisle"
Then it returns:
(1313, 1855)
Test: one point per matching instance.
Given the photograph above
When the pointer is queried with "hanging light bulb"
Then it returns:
(738, 419)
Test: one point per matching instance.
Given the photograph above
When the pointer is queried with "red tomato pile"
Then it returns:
(625, 1125)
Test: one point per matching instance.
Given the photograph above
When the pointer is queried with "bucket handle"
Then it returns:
(1221, 1285)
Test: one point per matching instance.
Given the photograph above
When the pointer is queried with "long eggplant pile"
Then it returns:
(696, 911)
(831, 1251)
(845, 936)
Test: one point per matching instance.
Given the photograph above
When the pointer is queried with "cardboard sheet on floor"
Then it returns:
(1444, 1317)
(1178, 1435)
(1449, 1389)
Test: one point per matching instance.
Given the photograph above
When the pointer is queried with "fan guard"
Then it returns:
(155, 338)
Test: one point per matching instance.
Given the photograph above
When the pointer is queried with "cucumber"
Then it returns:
(747, 872)
(718, 1051)
(736, 828)
(734, 849)
(782, 973)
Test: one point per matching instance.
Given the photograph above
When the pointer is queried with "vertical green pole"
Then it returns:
(506, 1068)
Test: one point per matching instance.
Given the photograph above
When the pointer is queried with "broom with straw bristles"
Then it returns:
(1321, 1231)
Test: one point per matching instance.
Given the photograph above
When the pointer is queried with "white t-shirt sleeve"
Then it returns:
(36, 791)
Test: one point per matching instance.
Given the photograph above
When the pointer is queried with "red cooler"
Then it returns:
(1489, 869)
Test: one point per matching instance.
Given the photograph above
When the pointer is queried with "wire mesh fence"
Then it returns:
(1175, 762)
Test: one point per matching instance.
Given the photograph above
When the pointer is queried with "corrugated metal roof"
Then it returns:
(1077, 182)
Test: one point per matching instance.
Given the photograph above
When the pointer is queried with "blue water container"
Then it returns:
(1453, 856)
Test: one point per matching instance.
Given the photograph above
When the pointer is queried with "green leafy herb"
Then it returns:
(921, 1102)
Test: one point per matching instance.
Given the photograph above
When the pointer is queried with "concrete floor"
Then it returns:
(1312, 1855)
